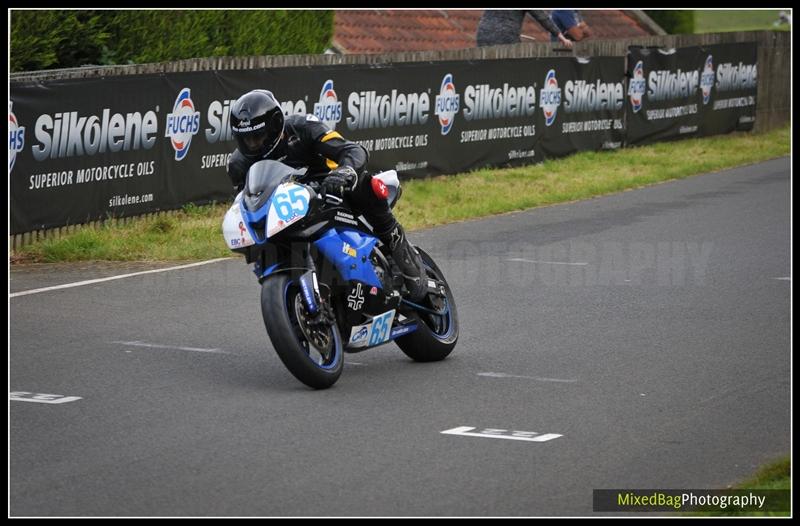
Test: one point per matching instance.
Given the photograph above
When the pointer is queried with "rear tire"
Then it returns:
(304, 360)
(425, 344)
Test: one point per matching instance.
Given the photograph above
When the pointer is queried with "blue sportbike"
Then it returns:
(328, 285)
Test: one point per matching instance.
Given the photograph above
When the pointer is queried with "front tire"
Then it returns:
(436, 336)
(318, 364)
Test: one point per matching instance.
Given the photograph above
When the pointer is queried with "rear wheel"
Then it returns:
(436, 334)
(312, 352)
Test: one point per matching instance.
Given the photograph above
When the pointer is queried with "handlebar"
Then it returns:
(333, 200)
(322, 194)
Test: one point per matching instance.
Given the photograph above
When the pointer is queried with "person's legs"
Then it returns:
(391, 233)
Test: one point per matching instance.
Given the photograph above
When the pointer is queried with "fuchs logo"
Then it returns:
(328, 109)
(636, 87)
(707, 79)
(447, 104)
(182, 124)
(16, 138)
(550, 97)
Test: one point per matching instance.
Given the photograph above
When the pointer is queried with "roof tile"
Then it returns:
(385, 31)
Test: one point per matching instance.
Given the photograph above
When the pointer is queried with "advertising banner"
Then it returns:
(728, 84)
(590, 115)
(114, 147)
(447, 117)
(88, 149)
(690, 92)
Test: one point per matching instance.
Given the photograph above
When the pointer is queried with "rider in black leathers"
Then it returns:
(262, 132)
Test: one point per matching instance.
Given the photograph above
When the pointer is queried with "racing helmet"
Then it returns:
(257, 123)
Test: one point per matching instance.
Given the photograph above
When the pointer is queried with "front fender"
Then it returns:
(264, 273)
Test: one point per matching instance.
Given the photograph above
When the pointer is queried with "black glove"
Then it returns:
(340, 181)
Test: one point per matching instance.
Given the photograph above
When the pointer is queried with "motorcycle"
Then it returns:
(328, 285)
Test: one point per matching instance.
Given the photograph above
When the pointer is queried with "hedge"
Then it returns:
(674, 22)
(72, 38)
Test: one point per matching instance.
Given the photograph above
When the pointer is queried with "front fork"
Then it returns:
(309, 284)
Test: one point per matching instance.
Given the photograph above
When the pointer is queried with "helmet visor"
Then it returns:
(258, 143)
(255, 141)
(259, 138)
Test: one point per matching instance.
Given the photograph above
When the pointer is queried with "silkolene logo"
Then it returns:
(447, 103)
(182, 124)
(636, 87)
(328, 109)
(707, 79)
(550, 97)
(16, 138)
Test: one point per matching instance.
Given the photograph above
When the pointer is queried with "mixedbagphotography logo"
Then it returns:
(707, 79)
(16, 138)
(550, 97)
(636, 87)
(705, 500)
(182, 124)
(447, 104)
(329, 108)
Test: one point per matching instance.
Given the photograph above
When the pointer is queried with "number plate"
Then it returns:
(289, 204)
(381, 328)
(376, 332)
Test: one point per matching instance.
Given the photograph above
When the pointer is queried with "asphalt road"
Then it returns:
(649, 329)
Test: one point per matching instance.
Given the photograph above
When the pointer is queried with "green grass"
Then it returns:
(718, 21)
(182, 235)
(774, 476)
(485, 192)
(194, 233)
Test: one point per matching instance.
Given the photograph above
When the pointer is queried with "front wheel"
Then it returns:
(313, 354)
(436, 335)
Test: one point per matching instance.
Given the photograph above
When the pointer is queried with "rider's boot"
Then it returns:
(409, 262)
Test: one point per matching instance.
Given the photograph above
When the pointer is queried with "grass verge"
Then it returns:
(774, 476)
(721, 20)
(193, 233)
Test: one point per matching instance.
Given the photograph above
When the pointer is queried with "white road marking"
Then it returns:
(537, 378)
(548, 262)
(110, 278)
(159, 346)
(525, 436)
(39, 398)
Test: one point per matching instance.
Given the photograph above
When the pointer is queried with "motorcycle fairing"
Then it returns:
(349, 251)
(234, 227)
